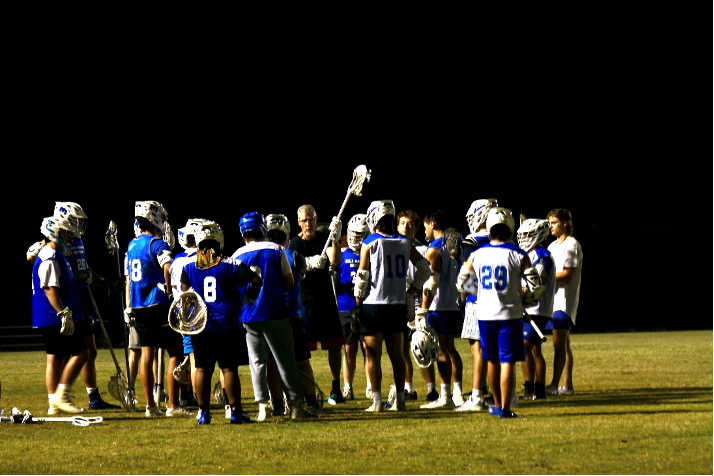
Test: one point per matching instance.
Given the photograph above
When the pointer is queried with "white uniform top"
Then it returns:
(498, 273)
(567, 254)
(389, 263)
(177, 265)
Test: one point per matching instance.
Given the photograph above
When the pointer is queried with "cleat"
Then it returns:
(298, 412)
(494, 410)
(335, 398)
(392, 398)
(410, 395)
(552, 390)
(102, 405)
(65, 405)
(458, 399)
(565, 391)
(52, 410)
(263, 412)
(432, 396)
(204, 418)
(378, 409)
(398, 407)
(239, 418)
(507, 414)
(153, 411)
(315, 410)
(177, 411)
(348, 393)
(442, 402)
(471, 405)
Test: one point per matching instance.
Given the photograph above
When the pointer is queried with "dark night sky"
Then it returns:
(617, 131)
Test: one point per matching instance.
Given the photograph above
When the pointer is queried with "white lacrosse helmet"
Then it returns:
(276, 221)
(189, 230)
(60, 230)
(74, 213)
(498, 215)
(476, 216)
(532, 232)
(377, 210)
(357, 230)
(209, 231)
(152, 211)
(424, 346)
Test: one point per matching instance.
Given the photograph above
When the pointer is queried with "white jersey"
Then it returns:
(498, 274)
(567, 254)
(177, 265)
(543, 263)
(389, 263)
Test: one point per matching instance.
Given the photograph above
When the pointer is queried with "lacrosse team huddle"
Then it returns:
(269, 303)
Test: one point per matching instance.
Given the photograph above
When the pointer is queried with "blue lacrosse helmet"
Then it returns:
(253, 221)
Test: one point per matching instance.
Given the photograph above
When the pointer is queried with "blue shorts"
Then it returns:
(560, 320)
(446, 322)
(530, 334)
(502, 341)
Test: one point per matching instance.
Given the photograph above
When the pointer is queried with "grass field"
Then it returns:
(643, 405)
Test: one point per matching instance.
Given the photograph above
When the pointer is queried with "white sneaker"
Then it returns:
(442, 402)
(153, 411)
(53, 410)
(458, 399)
(177, 411)
(471, 405)
(564, 391)
(263, 411)
(374, 409)
(552, 390)
(392, 397)
(63, 403)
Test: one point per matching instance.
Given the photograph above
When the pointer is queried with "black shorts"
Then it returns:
(382, 319)
(322, 324)
(84, 327)
(227, 348)
(61, 345)
(152, 326)
(346, 321)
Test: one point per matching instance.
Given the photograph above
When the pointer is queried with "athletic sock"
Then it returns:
(457, 388)
(377, 399)
(335, 386)
(400, 397)
(430, 387)
(408, 387)
(445, 391)
(205, 408)
(91, 390)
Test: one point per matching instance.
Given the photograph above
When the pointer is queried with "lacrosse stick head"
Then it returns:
(182, 372)
(218, 393)
(188, 314)
(118, 388)
(110, 237)
(359, 176)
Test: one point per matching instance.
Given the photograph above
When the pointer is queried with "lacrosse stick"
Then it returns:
(27, 417)
(110, 238)
(359, 175)
(188, 313)
(319, 394)
(118, 385)
(527, 318)
(159, 385)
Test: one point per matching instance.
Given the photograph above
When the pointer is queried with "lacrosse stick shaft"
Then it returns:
(339, 216)
(535, 326)
(112, 232)
(359, 175)
(104, 330)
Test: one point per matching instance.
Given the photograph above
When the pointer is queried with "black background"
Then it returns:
(610, 119)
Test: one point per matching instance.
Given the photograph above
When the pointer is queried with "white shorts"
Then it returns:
(470, 328)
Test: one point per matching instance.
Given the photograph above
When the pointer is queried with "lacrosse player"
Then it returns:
(278, 231)
(568, 258)
(478, 236)
(357, 230)
(74, 213)
(148, 298)
(441, 311)
(380, 297)
(266, 317)
(531, 235)
(56, 306)
(317, 296)
(187, 241)
(408, 223)
(497, 268)
(222, 283)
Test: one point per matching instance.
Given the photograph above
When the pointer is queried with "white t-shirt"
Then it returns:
(567, 254)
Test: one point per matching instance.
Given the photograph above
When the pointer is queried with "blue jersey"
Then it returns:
(51, 268)
(446, 294)
(292, 295)
(80, 268)
(273, 264)
(144, 271)
(543, 262)
(220, 288)
(348, 269)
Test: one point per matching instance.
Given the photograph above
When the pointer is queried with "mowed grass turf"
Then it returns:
(643, 405)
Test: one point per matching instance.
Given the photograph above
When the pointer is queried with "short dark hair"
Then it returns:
(500, 232)
(439, 218)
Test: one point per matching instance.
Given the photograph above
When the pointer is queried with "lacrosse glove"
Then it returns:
(67, 322)
(129, 318)
(420, 318)
(335, 230)
(315, 262)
